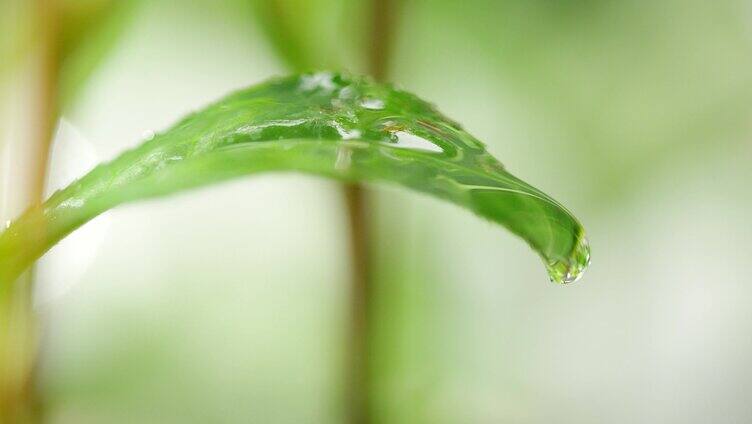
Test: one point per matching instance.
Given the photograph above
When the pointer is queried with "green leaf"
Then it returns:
(332, 125)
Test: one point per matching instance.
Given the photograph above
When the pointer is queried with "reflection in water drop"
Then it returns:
(406, 140)
(347, 93)
(345, 133)
(344, 158)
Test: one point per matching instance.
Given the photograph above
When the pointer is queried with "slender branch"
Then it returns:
(383, 16)
(47, 93)
(362, 296)
(360, 305)
(18, 325)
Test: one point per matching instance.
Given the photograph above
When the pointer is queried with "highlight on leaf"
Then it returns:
(328, 124)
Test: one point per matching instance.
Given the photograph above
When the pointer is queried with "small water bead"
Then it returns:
(347, 92)
(372, 103)
(322, 80)
(256, 129)
(349, 134)
(72, 203)
(346, 133)
(148, 135)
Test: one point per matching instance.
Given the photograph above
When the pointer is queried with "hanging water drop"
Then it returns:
(570, 269)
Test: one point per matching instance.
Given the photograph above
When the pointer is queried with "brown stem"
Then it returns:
(360, 306)
(359, 387)
(47, 97)
(18, 324)
(383, 16)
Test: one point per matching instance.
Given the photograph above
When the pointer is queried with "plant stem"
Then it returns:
(380, 42)
(360, 306)
(18, 324)
(360, 390)
(18, 346)
(47, 93)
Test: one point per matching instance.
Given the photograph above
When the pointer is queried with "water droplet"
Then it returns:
(346, 133)
(255, 131)
(569, 270)
(322, 80)
(148, 135)
(73, 202)
(7, 224)
(347, 92)
(372, 103)
(406, 140)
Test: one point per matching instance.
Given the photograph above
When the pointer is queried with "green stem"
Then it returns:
(18, 346)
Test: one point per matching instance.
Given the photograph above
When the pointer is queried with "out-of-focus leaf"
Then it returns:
(314, 34)
(583, 67)
(88, 31)
(337, 126)
(84, 32)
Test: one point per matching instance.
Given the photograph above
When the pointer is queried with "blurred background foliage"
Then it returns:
(229, 303)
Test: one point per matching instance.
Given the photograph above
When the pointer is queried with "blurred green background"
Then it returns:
(229, 304)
